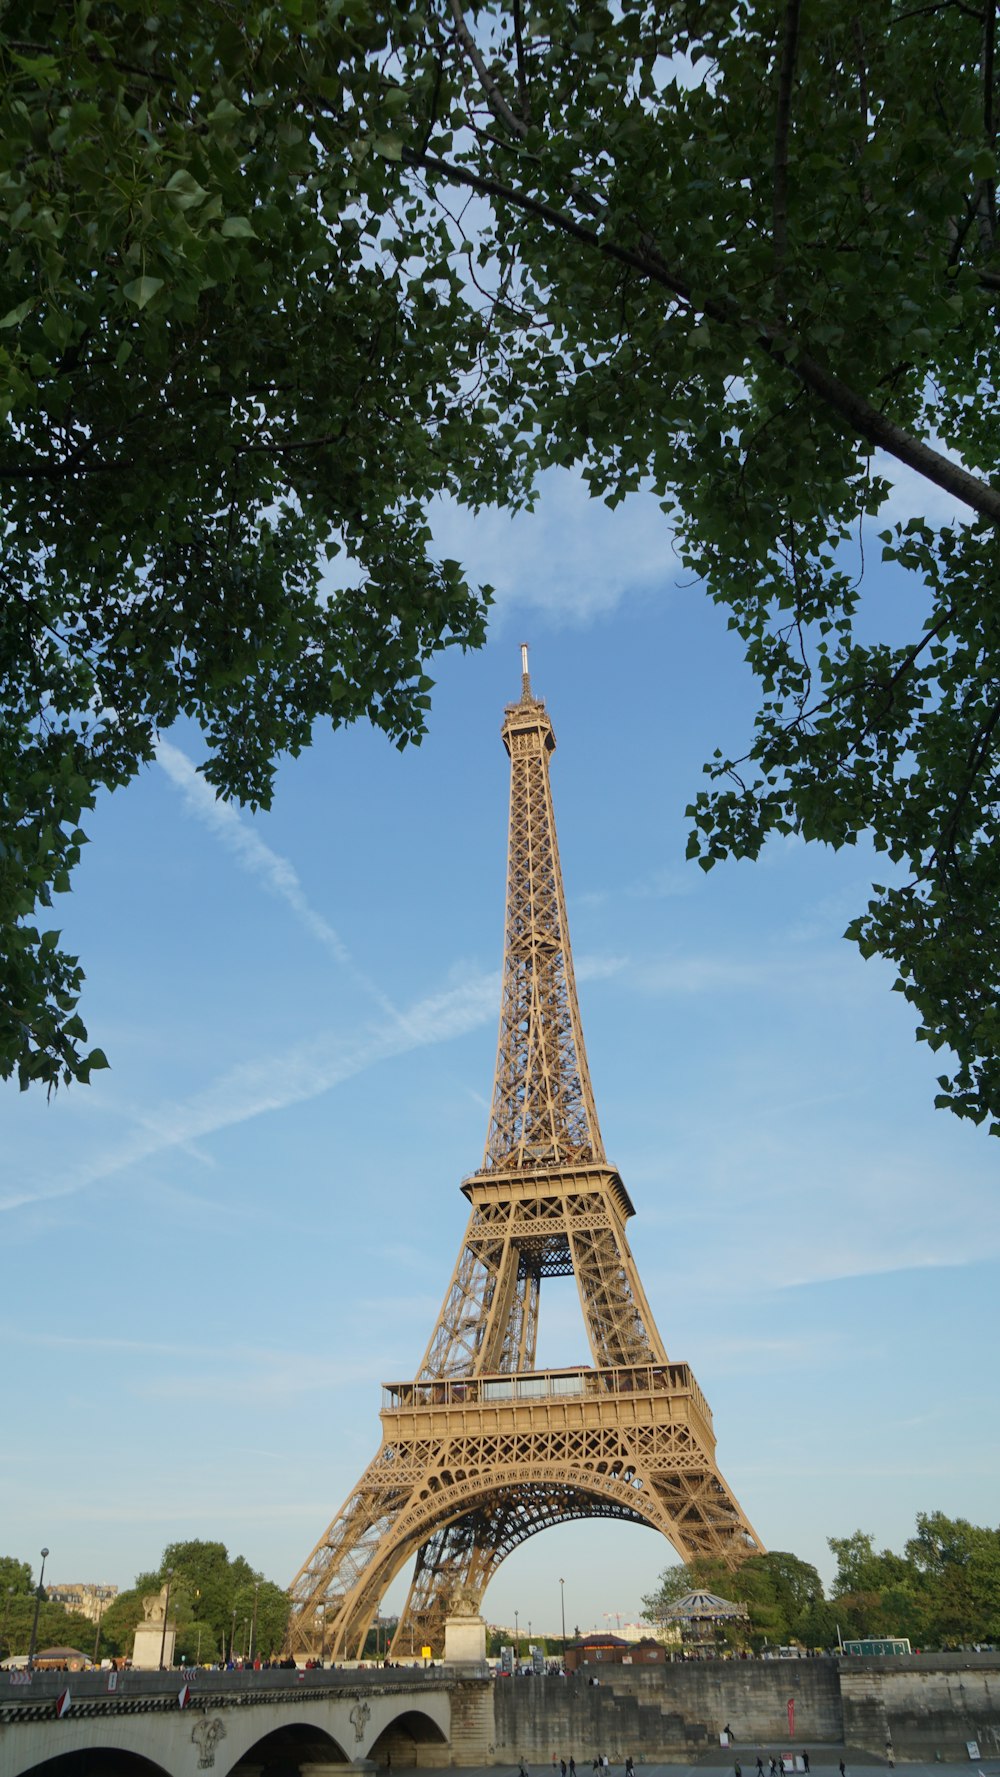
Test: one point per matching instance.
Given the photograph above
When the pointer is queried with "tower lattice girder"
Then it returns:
(483, 1450)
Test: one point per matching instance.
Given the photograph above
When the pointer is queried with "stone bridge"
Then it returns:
(254, 1724)
(333, 1724)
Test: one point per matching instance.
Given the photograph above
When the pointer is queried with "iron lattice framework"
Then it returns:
(483, 1450)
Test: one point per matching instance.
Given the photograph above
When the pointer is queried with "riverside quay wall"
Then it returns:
(921, 1706)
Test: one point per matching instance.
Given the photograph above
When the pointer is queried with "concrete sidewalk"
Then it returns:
(825, 1760)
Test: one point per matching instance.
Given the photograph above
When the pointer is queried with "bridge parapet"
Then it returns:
(176, 1720)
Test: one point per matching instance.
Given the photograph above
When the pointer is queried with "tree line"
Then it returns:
(220, 1607)
(943, 1591)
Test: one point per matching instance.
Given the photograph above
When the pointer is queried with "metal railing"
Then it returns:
(544, 1385)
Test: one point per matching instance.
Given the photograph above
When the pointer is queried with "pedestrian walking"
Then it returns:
(572, 1766)
(562, 1766)
(805, 1762)
(760, 1766)
(737, 1769)
(843, 1769)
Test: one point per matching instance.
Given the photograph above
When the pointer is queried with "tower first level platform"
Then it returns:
(482, 1449)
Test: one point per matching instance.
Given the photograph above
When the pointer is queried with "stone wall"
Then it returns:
(473, 1725)
(659, 1712)
(922, 1706)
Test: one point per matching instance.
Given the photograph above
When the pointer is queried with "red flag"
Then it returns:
(64, 1703)
(791, 1716)
(184, 1696)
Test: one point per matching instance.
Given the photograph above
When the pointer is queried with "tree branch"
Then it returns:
(854, 409)
(782, 127)
(522, 64)
(494, 97)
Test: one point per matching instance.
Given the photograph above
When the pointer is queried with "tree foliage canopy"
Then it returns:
(780, 1591)
(217, 1602)
(942, 1591)
(277, 279)
(56, 1627)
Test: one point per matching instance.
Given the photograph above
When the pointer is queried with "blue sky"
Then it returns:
(215, 1255)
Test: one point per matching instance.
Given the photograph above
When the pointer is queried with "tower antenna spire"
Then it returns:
(525, 680)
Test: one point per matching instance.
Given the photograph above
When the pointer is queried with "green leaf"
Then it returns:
(185, 191)
(15, 316)
(142, 290)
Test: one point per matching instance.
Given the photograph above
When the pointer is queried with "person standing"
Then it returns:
(760, 1766)
(805, 1763)
(843, 1769)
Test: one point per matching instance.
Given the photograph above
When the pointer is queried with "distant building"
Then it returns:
(86, 1597)
(612, 1650)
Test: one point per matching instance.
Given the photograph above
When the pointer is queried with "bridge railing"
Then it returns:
(132, 1690)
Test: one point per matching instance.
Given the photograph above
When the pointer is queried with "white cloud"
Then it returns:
(276, 874)
(701, 974)
(573, 557)
(272, 1083)
(598, 968)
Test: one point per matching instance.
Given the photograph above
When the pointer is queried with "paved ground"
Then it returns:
(825, 1761)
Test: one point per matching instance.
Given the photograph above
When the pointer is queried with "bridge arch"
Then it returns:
(95, 1761)
(286, 1751)
(399, 1742)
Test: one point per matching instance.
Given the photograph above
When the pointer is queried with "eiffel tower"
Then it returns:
(483, 1449)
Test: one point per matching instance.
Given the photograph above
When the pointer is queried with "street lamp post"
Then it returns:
(39, 1595)
(562, 1611)
(166, 1611)
(232, 1640)
(321, 1613)
(517, 1643)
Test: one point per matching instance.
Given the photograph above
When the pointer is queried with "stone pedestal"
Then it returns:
(464, 1641)
(149, 1638)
